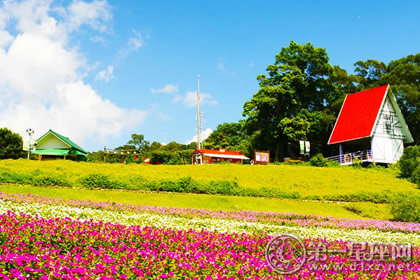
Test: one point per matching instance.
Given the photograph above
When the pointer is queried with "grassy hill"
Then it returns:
(283, 181)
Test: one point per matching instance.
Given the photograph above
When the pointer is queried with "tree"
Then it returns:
(403, 76)
(172, 147)
(369, 72)
(155, 146)
(11, 144)
(231, 136)
(299, 86)
(409, 163)
(136, 141)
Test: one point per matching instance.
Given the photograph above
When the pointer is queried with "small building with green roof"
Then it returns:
(53, 145)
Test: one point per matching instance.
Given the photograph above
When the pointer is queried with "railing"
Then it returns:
(349, 158)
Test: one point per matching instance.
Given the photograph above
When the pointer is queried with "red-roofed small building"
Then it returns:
(205, 156)
(371, 127)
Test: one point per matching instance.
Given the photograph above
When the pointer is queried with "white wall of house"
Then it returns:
(388, 137)
(51, 142)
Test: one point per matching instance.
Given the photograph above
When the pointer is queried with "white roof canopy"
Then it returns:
(226, 156)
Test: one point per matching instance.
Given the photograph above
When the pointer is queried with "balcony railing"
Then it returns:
(349, 158)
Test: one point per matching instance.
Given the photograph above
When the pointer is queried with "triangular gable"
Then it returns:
(358, 115)
(47, 136)
(402, 125)
(63, 139)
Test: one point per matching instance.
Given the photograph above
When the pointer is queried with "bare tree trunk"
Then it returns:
(279, 152)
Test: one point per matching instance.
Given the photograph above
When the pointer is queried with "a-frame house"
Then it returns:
(370, 127)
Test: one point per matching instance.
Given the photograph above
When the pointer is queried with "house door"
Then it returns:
(398, 147)
(378, 149)
(389, 150)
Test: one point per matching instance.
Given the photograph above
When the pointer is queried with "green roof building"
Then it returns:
(53, 145)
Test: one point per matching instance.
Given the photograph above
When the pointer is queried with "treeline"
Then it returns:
(137, 149)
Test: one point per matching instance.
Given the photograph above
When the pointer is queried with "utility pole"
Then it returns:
(30, 131)
(198, 116)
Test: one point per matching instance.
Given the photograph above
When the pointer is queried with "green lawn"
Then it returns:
(207, 201)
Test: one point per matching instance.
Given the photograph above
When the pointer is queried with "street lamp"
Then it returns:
(30, 131)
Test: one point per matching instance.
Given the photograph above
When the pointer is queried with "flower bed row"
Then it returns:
(203, 223)
(273, 218)
(62, 248)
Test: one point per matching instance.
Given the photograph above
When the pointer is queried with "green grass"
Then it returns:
(339, 210)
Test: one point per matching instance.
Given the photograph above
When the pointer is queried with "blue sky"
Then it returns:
(122, 67)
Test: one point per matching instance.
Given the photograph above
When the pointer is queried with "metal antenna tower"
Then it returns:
(198, 115)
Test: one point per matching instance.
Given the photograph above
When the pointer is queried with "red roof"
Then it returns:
(219, 152)
(358, 115)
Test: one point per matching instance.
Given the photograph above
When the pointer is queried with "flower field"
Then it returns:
(44, 238)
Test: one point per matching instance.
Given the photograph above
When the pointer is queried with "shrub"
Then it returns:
(416, 176)
(225, 187)
(10, 144)
(49, 180)
(409, 162)
(98, 181)
(357, 162)
(187, 184)
(137, 183)
(7, 176)
(406, 208)
(318, 160)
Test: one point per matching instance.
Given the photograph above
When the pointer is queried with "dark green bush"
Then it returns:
(10, 144)
(49, 180)
(187, 184)
(100, 181)
(409, 162)
(406, 208)
(7, 176)
(416, 176)
(318, 160)
(182, 185)
(360, 197)
(222, 187)
(137, 183)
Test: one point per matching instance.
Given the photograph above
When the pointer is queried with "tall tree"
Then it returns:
(136, 141)
(403, 76)
(369, 73)
(231, 136)
(11, 144)
(298, 87)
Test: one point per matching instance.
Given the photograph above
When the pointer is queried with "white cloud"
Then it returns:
(95, 14)
(135, 41)
(133, 44)
(98, 39)
(189, 99)
(105, 75)
(204, 135)
(41, 75)
(169, 88)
